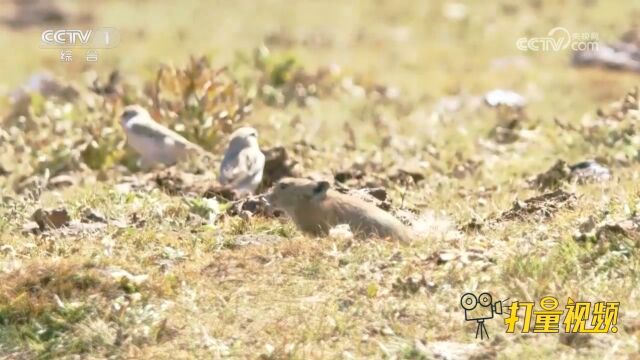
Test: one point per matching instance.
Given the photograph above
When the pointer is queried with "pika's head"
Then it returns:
(244, 137)
(289, 193)
(130, 112)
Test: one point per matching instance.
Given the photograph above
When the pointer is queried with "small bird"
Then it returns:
(243, 163)
(154, 142)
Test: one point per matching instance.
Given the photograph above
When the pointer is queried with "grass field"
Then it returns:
(373, 93)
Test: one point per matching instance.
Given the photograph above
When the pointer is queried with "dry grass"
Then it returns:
(379, 119)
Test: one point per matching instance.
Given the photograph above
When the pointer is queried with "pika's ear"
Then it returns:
(321, 187)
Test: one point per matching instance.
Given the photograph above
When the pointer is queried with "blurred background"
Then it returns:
(427, 48)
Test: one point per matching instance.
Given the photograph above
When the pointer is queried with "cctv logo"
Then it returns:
(65, 37)
(480, 309)
(93, 38)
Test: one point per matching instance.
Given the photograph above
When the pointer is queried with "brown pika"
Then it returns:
(316, 208)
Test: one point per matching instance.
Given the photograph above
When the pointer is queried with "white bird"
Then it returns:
(243, 163)
(154, 142)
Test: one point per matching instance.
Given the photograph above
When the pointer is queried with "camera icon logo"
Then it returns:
(480, 309)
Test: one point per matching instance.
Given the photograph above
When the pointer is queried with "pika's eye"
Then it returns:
(321, 187)
(282, 186)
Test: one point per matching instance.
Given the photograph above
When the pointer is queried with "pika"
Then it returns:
(315, 208)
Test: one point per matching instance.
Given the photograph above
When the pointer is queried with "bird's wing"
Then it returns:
(159, 132)
(145, 129)
(247, 163)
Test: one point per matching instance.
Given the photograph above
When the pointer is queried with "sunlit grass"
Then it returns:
(286, 295)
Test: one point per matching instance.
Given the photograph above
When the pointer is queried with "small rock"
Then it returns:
(377, 196)
(220, 192)
(629, 228)
(377, 193)
(343, 176)
(414, 172)
(91, 215)
(589, 171)
(31, 227)
(508, 98)
(250, 206)
(539, 207)
(341, 231)
(61, 181)
(53, 219)
(446, 256)
(387, 331)
(123, 275)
